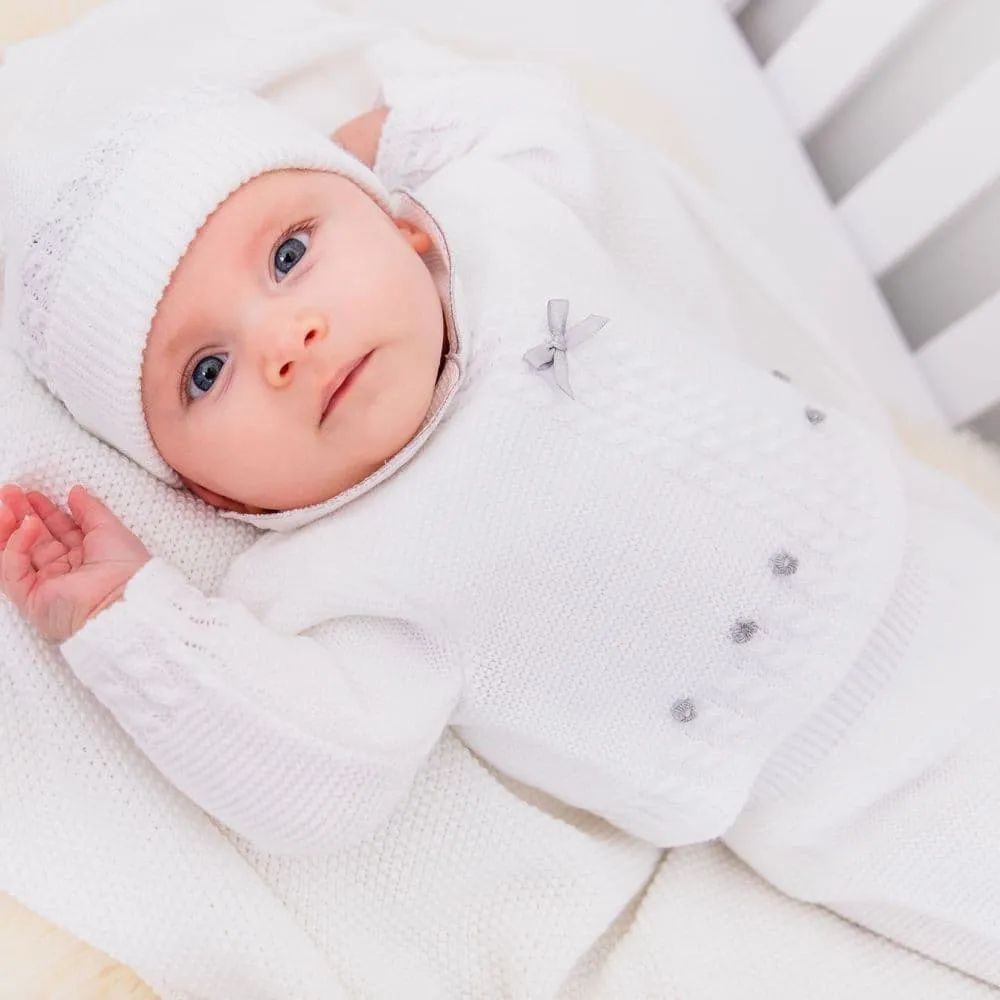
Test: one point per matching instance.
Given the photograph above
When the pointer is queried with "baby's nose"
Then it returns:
(286, 347)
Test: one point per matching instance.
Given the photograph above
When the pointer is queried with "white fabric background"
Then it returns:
(704, 927)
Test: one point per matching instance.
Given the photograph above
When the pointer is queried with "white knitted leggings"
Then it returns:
(896, 824)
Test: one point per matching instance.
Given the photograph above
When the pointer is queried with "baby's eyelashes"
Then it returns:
(292, 247)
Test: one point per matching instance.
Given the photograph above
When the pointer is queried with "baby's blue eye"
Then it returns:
(205, 374)
(290, 253)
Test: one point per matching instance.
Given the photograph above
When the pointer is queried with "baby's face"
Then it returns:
(297, 346)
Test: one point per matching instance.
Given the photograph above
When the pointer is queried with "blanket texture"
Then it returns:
(478, 887)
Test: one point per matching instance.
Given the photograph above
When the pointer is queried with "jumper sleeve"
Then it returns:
(299, 743)
(444, 106)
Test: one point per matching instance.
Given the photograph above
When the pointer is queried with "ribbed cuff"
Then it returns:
(113, 653)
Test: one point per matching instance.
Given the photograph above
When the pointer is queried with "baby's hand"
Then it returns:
(59, 570)
(361, 136)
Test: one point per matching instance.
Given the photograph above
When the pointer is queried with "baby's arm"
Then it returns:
(442, 106)
(299, 743)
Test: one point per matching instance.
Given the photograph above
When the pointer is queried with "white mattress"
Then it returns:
(684, 60)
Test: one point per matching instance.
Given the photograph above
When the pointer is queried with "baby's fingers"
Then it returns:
(60, 525)
(8, 524)
(13, 497)
(46, 547)
(17, 572)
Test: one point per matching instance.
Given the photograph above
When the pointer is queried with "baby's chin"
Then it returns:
(307, 496)
(265, 500)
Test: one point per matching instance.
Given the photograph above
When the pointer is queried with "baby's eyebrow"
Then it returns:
(271, 223)
(177, 341)
(270, 226)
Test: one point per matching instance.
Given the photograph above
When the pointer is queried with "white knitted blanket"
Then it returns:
(478, 887)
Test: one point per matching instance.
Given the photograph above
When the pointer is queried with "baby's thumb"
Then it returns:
(89, 512)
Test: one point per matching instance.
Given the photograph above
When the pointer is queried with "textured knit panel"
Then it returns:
(477, 887)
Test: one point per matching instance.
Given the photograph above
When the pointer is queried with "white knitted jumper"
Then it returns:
(627, 594)
(685, 595)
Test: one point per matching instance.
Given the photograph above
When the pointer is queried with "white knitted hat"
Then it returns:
(93, 236)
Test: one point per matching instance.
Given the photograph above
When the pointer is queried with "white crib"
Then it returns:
(897, 103)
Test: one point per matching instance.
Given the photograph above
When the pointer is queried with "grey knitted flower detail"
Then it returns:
(815, 416)
(552, 354)
(784, 564)
(683, 710)
(743, 630)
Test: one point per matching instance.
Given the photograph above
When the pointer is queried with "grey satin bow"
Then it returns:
(552, 354)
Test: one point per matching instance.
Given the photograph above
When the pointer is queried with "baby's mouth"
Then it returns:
(340, 385)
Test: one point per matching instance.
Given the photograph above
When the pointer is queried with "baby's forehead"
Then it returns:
(274, 187)
(254, 208)
(265, 200)
(287, 183)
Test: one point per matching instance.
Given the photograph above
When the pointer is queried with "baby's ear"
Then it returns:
(218, 500)
(413, 235)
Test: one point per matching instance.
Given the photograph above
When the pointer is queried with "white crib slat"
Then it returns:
(961, 363)
(832, 52)
(954, 157)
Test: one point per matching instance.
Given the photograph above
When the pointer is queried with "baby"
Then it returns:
(500, 494)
